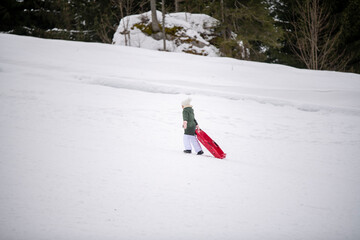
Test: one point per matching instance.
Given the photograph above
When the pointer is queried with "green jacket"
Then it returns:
(189, 116)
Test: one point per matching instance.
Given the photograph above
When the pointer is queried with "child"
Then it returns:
(189, 126)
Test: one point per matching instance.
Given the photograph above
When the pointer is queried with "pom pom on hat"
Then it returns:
(186, 102)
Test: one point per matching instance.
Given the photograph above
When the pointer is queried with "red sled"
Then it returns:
(210, 144)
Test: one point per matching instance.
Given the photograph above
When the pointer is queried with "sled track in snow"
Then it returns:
(217, 91)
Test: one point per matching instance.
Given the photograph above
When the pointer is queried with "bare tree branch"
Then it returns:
(315, 37)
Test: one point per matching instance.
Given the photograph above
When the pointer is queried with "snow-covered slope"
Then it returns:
(91, 146)
(186, 32)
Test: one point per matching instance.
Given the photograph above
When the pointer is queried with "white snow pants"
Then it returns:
(189, 141)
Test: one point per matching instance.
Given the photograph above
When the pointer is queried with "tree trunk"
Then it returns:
(163, 23)
(154, 21)
(176, 5)
(222, 18)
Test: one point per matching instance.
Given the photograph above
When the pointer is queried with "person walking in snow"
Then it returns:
(190, 125)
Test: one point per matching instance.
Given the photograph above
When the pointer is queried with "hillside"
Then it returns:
(91, 146)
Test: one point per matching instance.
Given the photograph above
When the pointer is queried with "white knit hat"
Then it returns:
(186, 102)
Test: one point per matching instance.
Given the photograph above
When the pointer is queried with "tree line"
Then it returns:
(313, 34)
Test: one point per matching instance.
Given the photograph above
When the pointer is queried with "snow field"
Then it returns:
(91, 146)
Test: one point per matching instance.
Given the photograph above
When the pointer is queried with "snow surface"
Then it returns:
(195, 26)
(91, 146)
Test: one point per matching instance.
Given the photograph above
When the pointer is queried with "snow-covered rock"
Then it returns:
(185, 32)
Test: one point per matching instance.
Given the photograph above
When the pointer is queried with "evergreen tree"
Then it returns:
(350, 40)
(280, 11)
(10, 15)
(252, 24)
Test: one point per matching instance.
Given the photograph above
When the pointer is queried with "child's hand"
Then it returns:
(185, 124)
